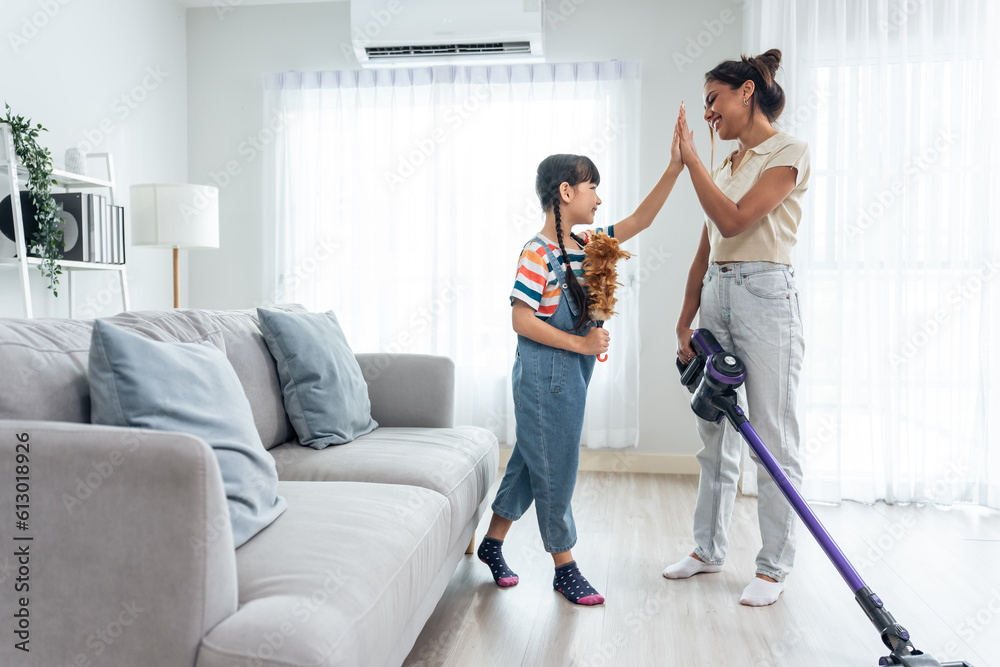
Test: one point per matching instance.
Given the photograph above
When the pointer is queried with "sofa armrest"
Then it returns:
(125, 550)
(410, 389)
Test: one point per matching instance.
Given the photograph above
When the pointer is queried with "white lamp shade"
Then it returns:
(169, 215)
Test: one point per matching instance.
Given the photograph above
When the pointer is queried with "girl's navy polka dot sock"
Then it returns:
(489, 553)
(575, 586)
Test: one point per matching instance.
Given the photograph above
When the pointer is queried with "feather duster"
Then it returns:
(602, 253)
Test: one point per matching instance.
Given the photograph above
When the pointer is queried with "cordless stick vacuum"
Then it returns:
(713, 377)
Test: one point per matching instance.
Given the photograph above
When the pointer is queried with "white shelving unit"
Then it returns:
(16, 174)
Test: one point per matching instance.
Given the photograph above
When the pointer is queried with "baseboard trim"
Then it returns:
(628, 461)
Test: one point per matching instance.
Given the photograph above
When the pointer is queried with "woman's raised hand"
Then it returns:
(685, 137)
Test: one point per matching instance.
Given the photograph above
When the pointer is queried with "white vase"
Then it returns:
(76, 161)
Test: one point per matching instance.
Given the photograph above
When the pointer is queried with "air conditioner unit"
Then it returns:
(419, 32)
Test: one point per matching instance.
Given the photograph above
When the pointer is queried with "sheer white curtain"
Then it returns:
(401, 198)
(899, 251)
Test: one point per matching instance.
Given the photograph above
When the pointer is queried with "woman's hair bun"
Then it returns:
(766, 63)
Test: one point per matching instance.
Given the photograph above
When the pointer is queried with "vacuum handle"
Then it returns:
(894, 636)
(801, 507)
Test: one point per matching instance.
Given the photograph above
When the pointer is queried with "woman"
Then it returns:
(741, 282)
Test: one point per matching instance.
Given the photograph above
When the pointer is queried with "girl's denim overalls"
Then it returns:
(550, 393)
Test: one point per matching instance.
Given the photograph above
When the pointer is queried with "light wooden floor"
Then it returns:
(938, 572)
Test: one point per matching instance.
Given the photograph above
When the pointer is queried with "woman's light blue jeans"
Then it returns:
(753, 310)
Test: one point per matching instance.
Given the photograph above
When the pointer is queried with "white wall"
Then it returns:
(110, 73)
(227, 52)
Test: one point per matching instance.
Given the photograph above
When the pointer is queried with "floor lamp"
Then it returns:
(170, 215)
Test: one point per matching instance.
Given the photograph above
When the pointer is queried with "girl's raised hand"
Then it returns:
(676, 159)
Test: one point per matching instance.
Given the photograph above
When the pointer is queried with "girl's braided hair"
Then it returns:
(553, 172)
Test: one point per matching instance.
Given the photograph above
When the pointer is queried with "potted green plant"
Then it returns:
(47, 243)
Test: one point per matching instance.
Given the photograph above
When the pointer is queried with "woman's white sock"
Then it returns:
(689, 567)
(761, 592)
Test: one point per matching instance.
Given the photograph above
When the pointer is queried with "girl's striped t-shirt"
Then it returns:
(536, 283)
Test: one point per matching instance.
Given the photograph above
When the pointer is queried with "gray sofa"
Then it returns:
(125, 556)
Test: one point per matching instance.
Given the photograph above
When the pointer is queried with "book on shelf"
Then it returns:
(93, 228)
(102, 212)
(115, 233)
(121, 233)
(73, 221)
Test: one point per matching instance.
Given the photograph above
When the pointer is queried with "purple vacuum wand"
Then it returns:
(713, 377)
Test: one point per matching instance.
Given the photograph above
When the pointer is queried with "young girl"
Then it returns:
(742, 284)
(556, 346)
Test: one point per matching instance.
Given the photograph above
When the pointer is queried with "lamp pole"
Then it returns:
(177, 282)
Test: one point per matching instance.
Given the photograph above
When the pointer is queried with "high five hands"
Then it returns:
(676, 158)
(683, 139)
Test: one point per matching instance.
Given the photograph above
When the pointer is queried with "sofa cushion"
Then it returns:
(50, 357)
(171, 326)
(248, 353)
(325, 394)
(188, 388)
(358, 572)
(45, 370)
(459, 463)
